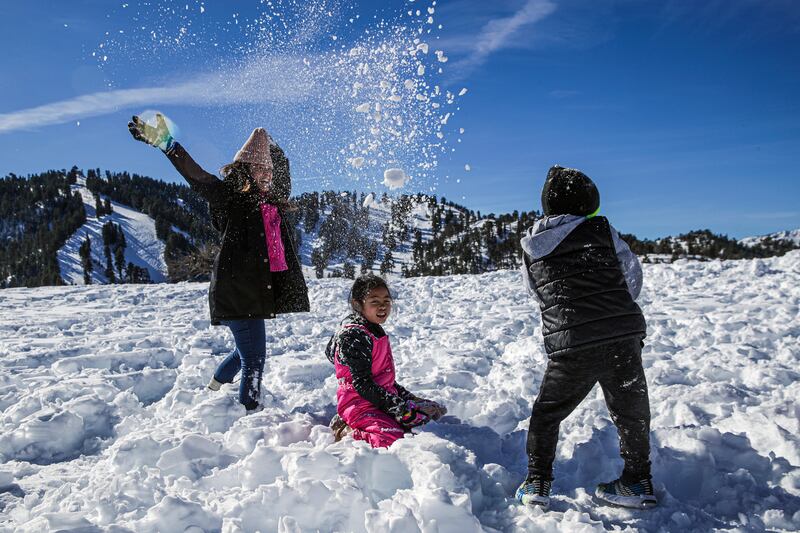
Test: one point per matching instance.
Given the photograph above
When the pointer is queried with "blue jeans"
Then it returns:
(248, 356)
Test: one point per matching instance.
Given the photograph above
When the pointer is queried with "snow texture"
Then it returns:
(143, 248)
(107, 424)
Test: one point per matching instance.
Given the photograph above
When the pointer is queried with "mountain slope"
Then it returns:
(338, 233)
(143, 249)
(792, 237)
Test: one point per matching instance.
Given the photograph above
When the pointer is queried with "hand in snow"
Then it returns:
(160, 136)
(413, 416)
(434, 410)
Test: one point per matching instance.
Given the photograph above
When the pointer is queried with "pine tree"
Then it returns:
(387, 265)
(119, 260)
(85, 253)
(348, 270)
(319, 262)
(109, 268)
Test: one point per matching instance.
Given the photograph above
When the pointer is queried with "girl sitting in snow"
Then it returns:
(371, 404)
(256, 274)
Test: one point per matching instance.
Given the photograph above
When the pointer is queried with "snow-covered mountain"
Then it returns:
(791, 236)
(381, 224)
(143, 249)
(107, 425)
(166, 234)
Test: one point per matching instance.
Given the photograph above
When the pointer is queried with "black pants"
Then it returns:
(567, 381)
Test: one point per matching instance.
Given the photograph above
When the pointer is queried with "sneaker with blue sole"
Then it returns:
(534, 491)
(637, 495)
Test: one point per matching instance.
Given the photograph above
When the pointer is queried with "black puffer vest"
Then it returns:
(582, 291)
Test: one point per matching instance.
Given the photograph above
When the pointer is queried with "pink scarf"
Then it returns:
(272, 230)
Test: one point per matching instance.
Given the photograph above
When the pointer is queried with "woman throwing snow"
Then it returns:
(256, 274)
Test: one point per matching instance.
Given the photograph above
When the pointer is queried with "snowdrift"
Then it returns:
(107, 425)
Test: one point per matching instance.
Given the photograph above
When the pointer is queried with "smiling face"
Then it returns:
(262, 175)
(377, 306)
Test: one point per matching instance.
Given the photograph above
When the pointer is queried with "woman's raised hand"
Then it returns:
(158, 136)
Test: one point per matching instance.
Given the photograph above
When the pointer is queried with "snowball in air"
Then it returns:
(394, 178)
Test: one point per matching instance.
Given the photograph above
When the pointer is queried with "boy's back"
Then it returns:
(585, 289)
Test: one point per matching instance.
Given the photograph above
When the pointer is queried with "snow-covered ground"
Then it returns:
(107, 424)
(144, 249)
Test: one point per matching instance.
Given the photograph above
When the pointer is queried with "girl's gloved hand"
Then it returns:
(413, 416)
(433, 409)
(160, 136)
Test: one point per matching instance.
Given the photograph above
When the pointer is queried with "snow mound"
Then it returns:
(106, 424)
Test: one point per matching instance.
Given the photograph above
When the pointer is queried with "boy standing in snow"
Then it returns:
(586, 280)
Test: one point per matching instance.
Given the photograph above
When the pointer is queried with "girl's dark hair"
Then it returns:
(238, 175)
(362, 286)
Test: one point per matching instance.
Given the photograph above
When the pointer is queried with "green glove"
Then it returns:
(160, 137)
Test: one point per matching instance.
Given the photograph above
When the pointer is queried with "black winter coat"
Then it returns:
(242, 285)
(582, 291)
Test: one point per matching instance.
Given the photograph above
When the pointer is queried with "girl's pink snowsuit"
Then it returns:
(368, 422)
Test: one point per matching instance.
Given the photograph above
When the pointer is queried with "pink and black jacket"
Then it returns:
(361, 353)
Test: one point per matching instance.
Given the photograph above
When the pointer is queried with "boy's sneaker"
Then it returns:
(339, 428)
(534, 491)
(637, 495)
(214, 384)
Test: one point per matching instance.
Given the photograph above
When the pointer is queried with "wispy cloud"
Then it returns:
(277, 80)
(499, 33)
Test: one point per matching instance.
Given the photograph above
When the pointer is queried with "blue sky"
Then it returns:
(685, 116)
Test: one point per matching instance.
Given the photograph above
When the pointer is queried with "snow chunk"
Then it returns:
(394, 178)
(176, 514)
